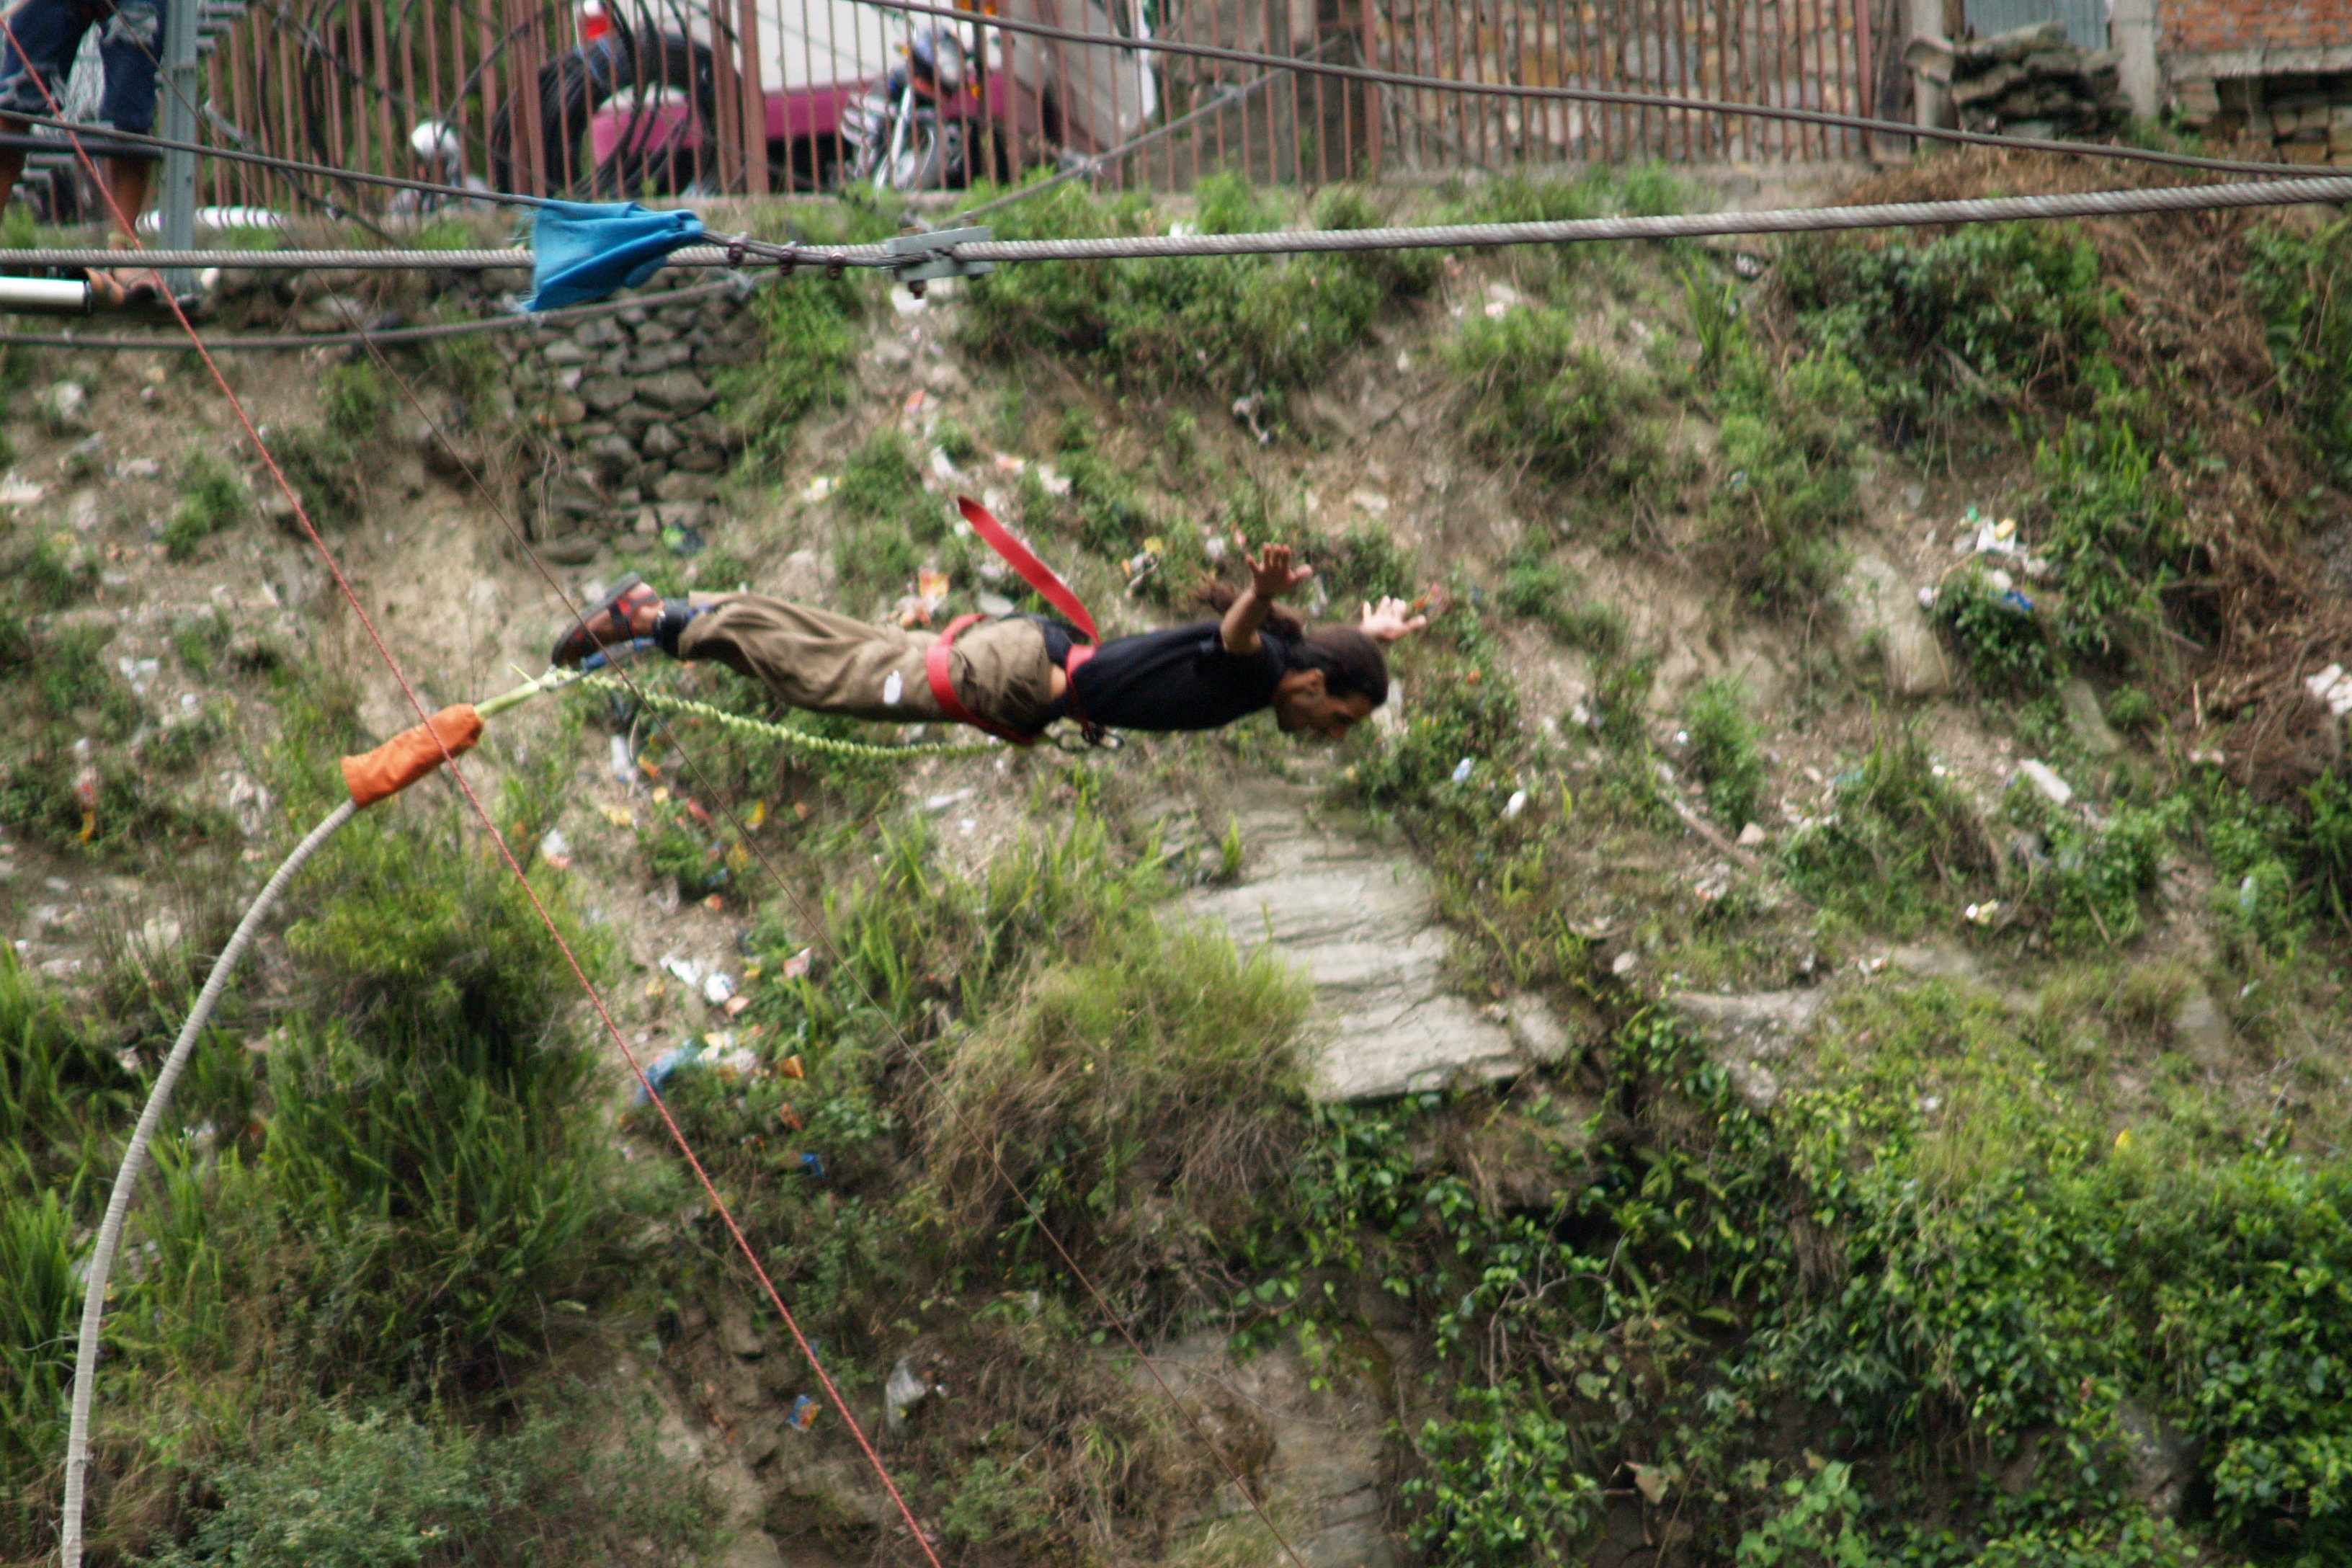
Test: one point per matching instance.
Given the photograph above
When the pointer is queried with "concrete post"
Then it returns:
(1929, 55)
(178, 90)
(2131, 33)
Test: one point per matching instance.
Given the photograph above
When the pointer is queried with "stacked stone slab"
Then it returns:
(630, 400)
(2303, 117)
(2033, 82)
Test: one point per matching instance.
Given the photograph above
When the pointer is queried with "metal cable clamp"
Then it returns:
(933, 255)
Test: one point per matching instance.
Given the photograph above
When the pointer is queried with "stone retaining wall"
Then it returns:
(629, 400)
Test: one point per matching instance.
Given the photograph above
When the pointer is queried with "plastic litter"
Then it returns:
(901, 1394)
(659, 1070)
(1983, 915)
(2045, 779)
(2333, 687)
(1462, 770)
(685, 971)
(555, 849)
(717, 988)
(796, 967)
(817, 489)
(625, 768)
(791, 1067)
(812, 1167)
(1515, 805)
(939, 803)
(680, 538)
(804, 1415)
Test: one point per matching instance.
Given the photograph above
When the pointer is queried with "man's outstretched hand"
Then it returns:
(1388, 620)
(1271, 576)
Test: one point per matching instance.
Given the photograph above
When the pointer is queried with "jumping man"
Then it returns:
(1016, 675)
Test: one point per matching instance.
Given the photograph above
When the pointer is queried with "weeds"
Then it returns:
(212, 498)
(1228, 323)
(1787, 445)
(2000, 639)
(894, 527)
(1543, 403)
(2115, 536)
(811, 334)
(1723, 749)
(1898, 840)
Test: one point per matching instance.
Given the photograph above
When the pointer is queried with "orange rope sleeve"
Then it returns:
(411, 754)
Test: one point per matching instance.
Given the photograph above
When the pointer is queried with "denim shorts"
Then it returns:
(49, 32)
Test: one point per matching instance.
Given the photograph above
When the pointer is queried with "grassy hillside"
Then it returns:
(1998, 1216)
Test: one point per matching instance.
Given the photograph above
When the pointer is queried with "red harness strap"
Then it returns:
(937, 663)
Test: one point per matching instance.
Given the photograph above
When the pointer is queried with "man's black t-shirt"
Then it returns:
(1181, 678)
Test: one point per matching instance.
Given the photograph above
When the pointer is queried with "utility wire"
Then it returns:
(291, 341)
(2330, 190)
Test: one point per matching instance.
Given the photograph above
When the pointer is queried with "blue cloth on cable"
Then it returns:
(581, 252)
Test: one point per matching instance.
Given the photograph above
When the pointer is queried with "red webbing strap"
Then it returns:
(1034, 572)
(936, 667)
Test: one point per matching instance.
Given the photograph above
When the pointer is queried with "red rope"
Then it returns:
(334, 570)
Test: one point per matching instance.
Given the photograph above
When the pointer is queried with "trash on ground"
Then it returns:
(804, 1415)
(658, 1071)
(2044, 778)
(1983, 915)
(1515, 805)
(680, 538)
(1751, 836)
(817, 489)
(2333, 687)
(1462, 770)
(939, 803)
(901, 1394)
(812, 1167)
(686, 971)
(791, 1067)
(717, 988)
(555, 849)
(734, 1004)
(624, 768)
(796, 967)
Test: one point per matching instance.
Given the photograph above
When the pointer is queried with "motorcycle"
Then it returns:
(909, 130)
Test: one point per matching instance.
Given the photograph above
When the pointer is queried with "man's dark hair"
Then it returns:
(1350, 661)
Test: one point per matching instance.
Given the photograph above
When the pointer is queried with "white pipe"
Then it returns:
(44, 296)
(118, 1203)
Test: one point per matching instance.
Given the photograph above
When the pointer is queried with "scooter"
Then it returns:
(908, 132)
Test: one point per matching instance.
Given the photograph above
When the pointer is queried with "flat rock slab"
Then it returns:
(1361, 922)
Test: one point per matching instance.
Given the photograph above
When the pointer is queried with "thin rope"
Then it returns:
(77, 1460)
(768, 730)
(290, 341)
(2328, 191)
(694, 764)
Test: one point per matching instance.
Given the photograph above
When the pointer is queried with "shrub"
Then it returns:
(325, 469)
(212, 498)
(893, 526)
(2302, 284)
(1226, 323)
(1723, 749)
(2000, 638)
(811, 332)
(353, 401)
(1541, 403)
(1974, 318)
(2115, 536)
(1786, 450)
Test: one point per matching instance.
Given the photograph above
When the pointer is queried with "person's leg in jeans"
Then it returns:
(38, 49)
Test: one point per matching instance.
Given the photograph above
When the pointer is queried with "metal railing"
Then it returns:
(682, 98)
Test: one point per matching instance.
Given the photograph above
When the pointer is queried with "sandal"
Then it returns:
(606, 626)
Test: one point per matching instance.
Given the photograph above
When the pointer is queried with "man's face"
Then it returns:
(1301, 707)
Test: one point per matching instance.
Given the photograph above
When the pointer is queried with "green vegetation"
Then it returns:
(1724, 751)
(1229, 324)
(811, 336)
(1565, 411)
(1970, 321)
(354, 402)
(1900, 840)
(892, 527)
(2001, 637)
(212, 498)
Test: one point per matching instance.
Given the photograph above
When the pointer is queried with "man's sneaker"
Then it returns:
(608, 624)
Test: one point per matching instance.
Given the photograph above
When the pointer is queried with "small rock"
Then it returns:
(1751, 836)
(606, 393)
(680, 390)
(1624, 964)
(700, 459)
(1916, 665)
(685, 487)
(561, 354)
(658, 442)
(564, 410)
(736, 1335)
(141, 468)
(1537, 1029)
(2160, 1459)
(2085, 719)
(2199, 1023)
(82, 511)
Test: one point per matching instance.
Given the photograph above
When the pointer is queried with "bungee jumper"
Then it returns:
(1014, 675)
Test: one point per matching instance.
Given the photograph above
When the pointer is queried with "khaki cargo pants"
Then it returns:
(831, 664)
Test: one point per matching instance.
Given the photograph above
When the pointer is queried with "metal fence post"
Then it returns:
(179, 206)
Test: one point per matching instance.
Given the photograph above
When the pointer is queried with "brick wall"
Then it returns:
(2215, 26)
